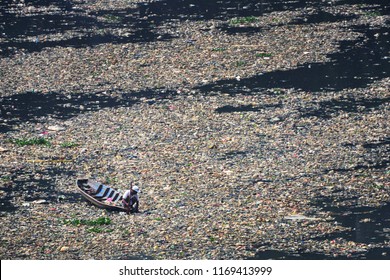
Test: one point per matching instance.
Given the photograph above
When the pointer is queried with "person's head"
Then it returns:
(135, 189)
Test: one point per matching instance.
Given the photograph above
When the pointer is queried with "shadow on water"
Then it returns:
(33, 106)
(217, 9)
(14, 24)
(375, 157)
(321, 16)
(36, 107)
(245, 108)
(364, 224)
(357, 64)
(140, 23)
(316, 17)
(327, 109)
(241, 29)
(372, 254)
(28, 186)
(6, 204)
(369, 225)
(116, 27)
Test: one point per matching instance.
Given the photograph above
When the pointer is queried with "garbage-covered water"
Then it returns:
(257, 129)
(367, 225)
(356, 64)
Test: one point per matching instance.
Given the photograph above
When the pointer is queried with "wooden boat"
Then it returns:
(100, 195)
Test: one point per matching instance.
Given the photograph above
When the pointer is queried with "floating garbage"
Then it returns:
(233, 120)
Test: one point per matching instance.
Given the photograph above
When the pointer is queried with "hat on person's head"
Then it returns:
(136, 189)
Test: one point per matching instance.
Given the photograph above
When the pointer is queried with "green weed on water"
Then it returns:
(262, 55)
(31, 141)
(69, 145)
(98, 222)
(243, 20)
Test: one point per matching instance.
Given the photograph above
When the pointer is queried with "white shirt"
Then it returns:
(128, 194)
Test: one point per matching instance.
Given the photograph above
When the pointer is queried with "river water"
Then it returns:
(356, 64)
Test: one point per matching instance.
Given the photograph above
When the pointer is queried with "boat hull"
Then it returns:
(86, 189)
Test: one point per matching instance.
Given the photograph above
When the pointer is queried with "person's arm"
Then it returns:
(124, 199)
(136, 204)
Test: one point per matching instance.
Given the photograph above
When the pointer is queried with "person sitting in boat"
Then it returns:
(131, 200)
